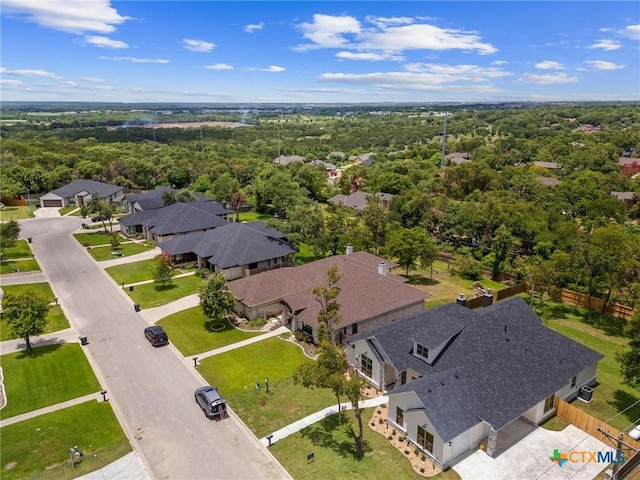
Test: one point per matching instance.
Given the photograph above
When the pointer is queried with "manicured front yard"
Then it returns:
(191, 332)
(19, 250)
(38, 448)
(253, 216)
(124, 250)
(46, 376)
(12, 266)
(15, 213)
(611, 395)
(235, 374)
(132, 272)
(94, 239)
(334, 454)
(56, 321)
(148, 296)
(18, 258)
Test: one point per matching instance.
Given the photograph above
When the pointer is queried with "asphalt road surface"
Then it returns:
(151, 389)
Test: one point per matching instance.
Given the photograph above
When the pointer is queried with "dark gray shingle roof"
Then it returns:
(100, 189)
(502, 362)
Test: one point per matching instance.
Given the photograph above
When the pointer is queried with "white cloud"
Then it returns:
(197, 45)
(135, 59)
(499, 62)
(605, 44)
(68, 83)
(273, 69)
(372, 56)
(549, 65)
(632, 31)
(28, 73)
(327, 31)
(104, 42)
(383, 22)
(458, 73)
(602, 65)
(12, 83)
(73, 16)
(93, 79)
(253, 27)
(547, 78)
(218, 66)
(102, 87)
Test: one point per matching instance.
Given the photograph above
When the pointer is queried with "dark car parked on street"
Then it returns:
(156, 336)
(210, 401)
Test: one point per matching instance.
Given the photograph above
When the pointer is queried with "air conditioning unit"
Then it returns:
(586, 393)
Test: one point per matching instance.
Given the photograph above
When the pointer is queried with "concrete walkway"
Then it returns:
(318, 416)
(146, 282)
(244, 343)
(68, 335)
(153, 253)
(19, 278)
(152, 315)
(51, 408)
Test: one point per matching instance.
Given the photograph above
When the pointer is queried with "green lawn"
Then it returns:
(305, 254)
(235, 373)
(132, 272)
(611, 395)
(38, 448)
(12, 266)
(148, 296)
(29, 378)
(253, 216)
(191, 333)
(15, 213)
(126, 249)
(56, 321)
(70, 208)
(93, 239)
(334, 454)
(19, 250)
(42, 288)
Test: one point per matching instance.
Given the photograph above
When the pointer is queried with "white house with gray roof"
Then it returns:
(80, 192)
(457, 377)
(236, 250)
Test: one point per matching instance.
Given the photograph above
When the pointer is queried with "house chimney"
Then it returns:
(224, 204)
(487, 298)
(349, 249)
(382, 268)
(462, 300)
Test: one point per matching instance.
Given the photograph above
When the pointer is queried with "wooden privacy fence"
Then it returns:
(588, 423)
(613, 309)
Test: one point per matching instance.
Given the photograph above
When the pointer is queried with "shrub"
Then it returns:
(258, 322)
(394, 433)
(423, 457)
(380, 421)
(416, 452)
(401, 438)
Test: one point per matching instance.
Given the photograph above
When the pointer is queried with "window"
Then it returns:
(354, 328)
(308, 329)
(573, 381)
(366, 365)
(253, 265)
(549, 401)
(422, 351)
(399, 416)
(425, 439)
(403, 378)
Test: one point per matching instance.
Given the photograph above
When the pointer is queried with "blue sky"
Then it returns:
(320, 52)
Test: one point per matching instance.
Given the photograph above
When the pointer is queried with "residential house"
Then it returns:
(161, 224)
(153, 199)
(457, 377)
(359, 200)
(548, 165)
(286, 160)
(629, 199)
(236, 250)
(457, 158)
(548, 181)
(80, 192)
(629, 166)
(370, 296)
(330, 169)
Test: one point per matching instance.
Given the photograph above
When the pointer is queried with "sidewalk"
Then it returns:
(51, 408)
(316, 417)
(153, 253)
(145, 282)
(243, 343)
(68, 335)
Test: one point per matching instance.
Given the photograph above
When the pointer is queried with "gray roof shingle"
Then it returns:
(102, 190)
(501, 361)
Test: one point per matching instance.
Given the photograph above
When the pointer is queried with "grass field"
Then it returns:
(253, 216)
(305, 254)
(132, 272)
(42, 288)
(334, 454)
(29, 378)
(93, 239)
(12, 266)
(235, 373)
(15, 213)
(125, 249)
(148, 296)
(191, 333)
(56, 321)
(38, 448)
(19, 250)
(70, 208)
(603, 334)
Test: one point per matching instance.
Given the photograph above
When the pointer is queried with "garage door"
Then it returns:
(52, 203)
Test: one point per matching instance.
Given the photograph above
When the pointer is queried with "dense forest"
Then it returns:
(555, 224)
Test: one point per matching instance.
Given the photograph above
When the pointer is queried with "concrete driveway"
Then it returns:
(529, 458)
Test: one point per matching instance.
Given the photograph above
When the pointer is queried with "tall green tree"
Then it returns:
(327, 296)
(26, 313)
(410, 246)
(216, 299)
(9, 233)
(503, 244)
(162, 271)
(630, 358)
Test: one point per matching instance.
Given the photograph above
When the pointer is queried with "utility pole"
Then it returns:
(444, 139)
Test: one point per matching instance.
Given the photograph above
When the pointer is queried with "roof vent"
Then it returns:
(382, 268)
(349, 249)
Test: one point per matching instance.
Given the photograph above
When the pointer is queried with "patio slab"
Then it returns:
(529, 458)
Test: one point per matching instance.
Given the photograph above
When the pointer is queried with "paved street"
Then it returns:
(150, 389)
